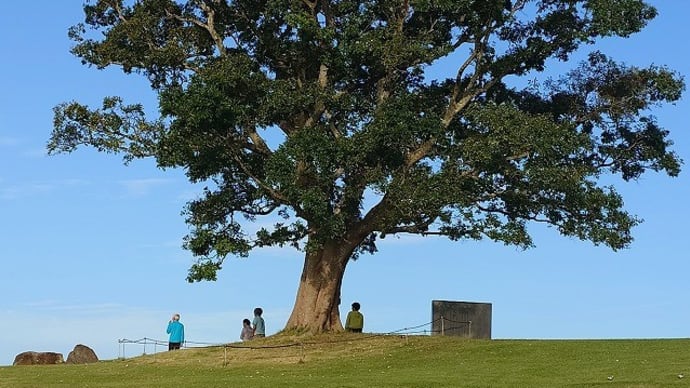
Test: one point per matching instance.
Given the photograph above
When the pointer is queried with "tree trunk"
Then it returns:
(316, 307)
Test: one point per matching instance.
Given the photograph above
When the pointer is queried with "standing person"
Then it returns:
(176, 331)
(258, 325)
(355, 320)
(247, 331)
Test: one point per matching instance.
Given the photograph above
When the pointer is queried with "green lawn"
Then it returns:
(349, 360)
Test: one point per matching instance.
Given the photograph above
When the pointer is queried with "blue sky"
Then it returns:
(91, 252)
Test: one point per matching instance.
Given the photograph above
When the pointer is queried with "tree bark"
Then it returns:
(317, 303)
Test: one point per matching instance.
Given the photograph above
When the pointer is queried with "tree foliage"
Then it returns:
(305, 108)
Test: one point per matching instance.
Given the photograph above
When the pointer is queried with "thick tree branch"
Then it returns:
(209, 26)
(276, 195)
(258, 143)
(310, 4)
(117, 7)
(263, 211)
(533, 218)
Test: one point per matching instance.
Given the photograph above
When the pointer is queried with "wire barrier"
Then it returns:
(154, 344)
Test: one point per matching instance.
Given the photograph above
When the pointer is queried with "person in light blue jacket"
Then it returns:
(176, 331)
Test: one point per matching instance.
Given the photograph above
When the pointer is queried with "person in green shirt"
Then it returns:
(258, 325)
(355, 320)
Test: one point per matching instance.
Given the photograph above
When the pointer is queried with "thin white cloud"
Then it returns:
(189, 194)
(142, 187)
(22, 191)
(28, 189)
(60, 328)
(50, 326)
(6, 141)
(35, 153)
(50, 305)
(162, 244)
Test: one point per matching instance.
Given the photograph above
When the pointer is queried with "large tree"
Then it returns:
(304, 112)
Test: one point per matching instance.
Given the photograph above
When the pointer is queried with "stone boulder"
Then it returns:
(38, 358)
(81, 354)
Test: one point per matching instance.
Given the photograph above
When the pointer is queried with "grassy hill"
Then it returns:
(351, 360)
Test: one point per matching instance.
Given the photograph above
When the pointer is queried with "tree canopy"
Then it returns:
(301, 111)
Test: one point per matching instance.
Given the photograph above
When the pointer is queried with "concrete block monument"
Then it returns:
(464, 319)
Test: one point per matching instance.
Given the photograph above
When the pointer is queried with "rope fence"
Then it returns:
(154, 344)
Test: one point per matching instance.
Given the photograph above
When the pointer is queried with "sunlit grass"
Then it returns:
(351, 360)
